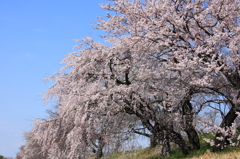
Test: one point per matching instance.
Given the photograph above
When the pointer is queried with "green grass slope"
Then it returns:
(203, 153)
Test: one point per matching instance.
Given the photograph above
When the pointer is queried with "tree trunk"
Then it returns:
(100, 146)
(227, 122)
(99, 153)
(153, 140)
(193, 139)
(188, 125)
(166, 144)
(177, 138)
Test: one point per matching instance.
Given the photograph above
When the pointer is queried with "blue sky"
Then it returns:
(35, 37)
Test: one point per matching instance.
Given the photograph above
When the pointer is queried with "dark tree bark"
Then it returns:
(193, 138)
(165, 144)
(98, 150)
(188, 125)
(99, 153)
(177, 139)
(157, 129)
(153, 141)
(227, 122)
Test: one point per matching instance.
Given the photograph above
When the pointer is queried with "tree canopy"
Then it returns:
(162, 64)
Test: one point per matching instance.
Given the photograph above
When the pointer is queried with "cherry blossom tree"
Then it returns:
(20, 154)
(200, 35)
(158, 59)
(104, 134)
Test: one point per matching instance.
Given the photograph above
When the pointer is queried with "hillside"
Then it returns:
(203, 153)
(148, 153)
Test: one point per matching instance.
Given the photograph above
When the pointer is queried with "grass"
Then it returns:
(203, 153)
(145, 153)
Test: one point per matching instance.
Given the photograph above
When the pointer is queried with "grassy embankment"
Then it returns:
(203, 153)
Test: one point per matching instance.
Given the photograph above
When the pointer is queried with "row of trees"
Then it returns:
(164, 64)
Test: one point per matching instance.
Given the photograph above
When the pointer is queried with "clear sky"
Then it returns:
(35, 35)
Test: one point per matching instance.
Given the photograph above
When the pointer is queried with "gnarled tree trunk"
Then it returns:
(188, 126)
(165, 144)
(177, 138)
